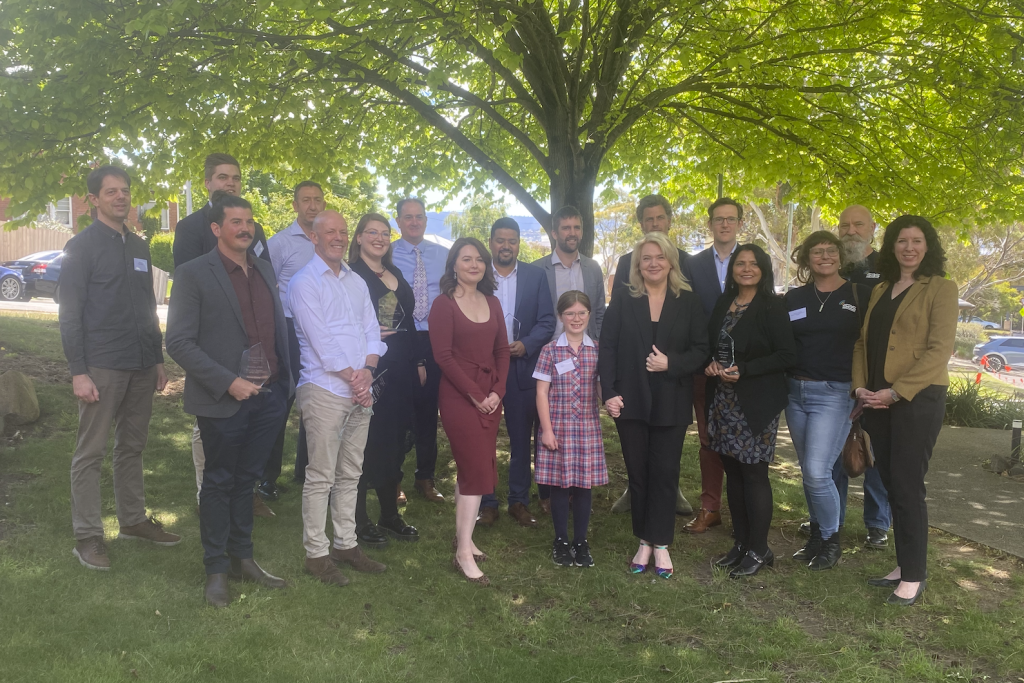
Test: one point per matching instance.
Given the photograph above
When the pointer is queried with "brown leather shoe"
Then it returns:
(92, 553)
(259, 508)
(357, 559)
(488, 516)
(521, 514)
(150, 530)
(426, 487)
(217, 593)
(248, 570)
(401, 500)
(704, 520)
(545, 506)
(325, 570)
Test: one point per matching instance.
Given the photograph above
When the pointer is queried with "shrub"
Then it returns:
(970, 405)
(161, 250)
(969, 335)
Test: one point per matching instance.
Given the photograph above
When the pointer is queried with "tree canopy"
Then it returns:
(911, 106)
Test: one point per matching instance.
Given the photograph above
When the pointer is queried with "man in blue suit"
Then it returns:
(529, 322)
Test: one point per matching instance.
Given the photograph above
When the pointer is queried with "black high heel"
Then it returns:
(752, 563)
(906, 602)
(732, 558)
(884, 583)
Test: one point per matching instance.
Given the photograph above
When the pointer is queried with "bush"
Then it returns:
(970, 405)
(161, 250)
(969, 335)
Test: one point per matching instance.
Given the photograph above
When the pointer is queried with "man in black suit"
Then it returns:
(706, 273)
(223, 304)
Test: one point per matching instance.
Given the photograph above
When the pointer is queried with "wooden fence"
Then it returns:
(15, 244)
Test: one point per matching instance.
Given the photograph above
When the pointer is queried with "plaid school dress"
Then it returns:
(572, 400)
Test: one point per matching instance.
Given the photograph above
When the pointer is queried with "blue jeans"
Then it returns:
(818, 416)
(877, 514)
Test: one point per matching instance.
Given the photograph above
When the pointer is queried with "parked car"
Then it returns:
(40, 272)
(12, 284)
(1003, 353)
(987, 324)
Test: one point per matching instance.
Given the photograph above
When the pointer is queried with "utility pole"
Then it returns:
(719, 185)
(789, 245)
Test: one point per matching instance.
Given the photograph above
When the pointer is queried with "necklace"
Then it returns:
(819, 298)
(380, 274)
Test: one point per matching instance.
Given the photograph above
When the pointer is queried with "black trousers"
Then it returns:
(902, 439)
(273, 468)
(237, 449)
(750, 502)
(424, 400)
(652, 463)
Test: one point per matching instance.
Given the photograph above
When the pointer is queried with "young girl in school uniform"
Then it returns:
(570, 449)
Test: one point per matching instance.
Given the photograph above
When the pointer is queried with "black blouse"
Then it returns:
(879, 328)
(402, 345)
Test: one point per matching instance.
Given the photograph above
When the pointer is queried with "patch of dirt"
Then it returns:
(39, 369)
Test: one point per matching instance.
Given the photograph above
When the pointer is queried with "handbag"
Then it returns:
(857, 451)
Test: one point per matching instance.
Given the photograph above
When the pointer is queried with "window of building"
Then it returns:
(60, 211)
(165, 220)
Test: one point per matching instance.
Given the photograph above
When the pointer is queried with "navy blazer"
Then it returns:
(536, 318)
(699, 270)
(193, 237)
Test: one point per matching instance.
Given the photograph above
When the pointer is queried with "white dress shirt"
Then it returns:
(335, 322)
(434, 258)
(506, 294)
(290, 250)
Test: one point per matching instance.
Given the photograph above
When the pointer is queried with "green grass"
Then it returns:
(145, 620)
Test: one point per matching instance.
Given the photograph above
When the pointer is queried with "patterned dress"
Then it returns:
(572, 400)
(728, 431)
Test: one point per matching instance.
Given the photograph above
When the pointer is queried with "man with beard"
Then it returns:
(654, 214)
(529, 320)
(856, 230)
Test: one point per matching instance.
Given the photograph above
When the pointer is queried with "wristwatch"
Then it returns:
(895, 396)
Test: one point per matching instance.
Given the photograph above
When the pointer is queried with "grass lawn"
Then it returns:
(145, 620)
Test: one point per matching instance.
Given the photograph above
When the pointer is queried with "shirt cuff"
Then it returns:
(78, 368)
(378, 348)
(537, 374)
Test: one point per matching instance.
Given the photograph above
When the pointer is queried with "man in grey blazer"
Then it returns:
(568, 269)
(223, 304)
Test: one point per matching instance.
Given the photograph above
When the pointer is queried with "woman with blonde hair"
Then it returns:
(653, 339)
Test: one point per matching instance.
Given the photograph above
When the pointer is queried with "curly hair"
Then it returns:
(765, 286)
(934, 261)
(802, 255)
(449, 282)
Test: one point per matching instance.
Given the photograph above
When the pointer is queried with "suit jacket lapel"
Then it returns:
(911, 295)
(519, 292)
(741, 332)
(712, 271)
(221, 276)
(642, 313)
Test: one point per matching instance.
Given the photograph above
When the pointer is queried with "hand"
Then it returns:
(365, 400)
(614, 406)
(84, 388)
(876, 400)
(480, 406)
(549, 441)
(517, 349)
(713, 370)
(492, 402)
(242, 389)
(729, 374)
(422, 372)
(361, 380)
(161, 377)
(385, 332)
(657, 361)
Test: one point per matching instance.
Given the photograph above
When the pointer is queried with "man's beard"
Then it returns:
(504, 262)
(855, 248)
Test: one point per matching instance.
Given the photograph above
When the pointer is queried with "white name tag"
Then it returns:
(849, 307)
(141, 265)
(258, 249)
(798, 314)
(566, 366)
(872, 276)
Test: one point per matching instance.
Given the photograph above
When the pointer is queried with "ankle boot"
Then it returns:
(829, 554)
(812, 547)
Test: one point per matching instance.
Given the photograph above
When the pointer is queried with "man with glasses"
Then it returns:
(706, 273)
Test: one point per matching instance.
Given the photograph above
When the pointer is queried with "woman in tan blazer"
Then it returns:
(900, 381)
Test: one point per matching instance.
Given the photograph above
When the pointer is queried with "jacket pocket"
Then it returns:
(919, 350)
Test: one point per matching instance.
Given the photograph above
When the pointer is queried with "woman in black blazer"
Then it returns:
(751, 345)
(652, 341)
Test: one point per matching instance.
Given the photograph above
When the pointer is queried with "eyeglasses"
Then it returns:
(719, 220)
(373, 234)
(576, 314)
(828, 251)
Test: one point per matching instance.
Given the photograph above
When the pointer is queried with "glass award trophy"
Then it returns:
(255, 367)
(390, 314)
(725, 353)
(516, 327)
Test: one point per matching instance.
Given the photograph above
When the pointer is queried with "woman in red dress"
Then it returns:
(470, 343)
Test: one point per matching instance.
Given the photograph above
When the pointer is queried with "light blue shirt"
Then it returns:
(722, 267)
(434, 257)
(506, 294)
(290, 250)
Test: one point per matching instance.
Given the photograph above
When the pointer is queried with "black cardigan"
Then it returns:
(626, 341)
(765, 348)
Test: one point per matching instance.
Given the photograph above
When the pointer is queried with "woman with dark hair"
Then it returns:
(826, 314)
(900, 381)
(752, 345)
(369, 255)
(470, 342)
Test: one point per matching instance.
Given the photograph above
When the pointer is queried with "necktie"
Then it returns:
(419, 287)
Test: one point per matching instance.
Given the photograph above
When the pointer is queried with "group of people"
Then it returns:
(374, 338)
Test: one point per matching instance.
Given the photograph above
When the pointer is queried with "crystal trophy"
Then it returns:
(725, 353)
(390, 313)
(515, 326)
(255, 367)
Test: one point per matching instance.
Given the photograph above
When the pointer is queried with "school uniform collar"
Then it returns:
(564, 340)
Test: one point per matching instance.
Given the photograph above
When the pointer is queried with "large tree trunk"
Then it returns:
(573, 180)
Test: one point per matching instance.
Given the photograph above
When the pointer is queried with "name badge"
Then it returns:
(872, 276)
(798, 314)
(849, 307)
(141, 265)
(258, 249)
(566, 366)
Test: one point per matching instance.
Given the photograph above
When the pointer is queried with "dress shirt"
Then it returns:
(257, 304)
(335, 322)
(566, 279)
(290, 250)
(434, 257)
(722, 267)
(107, 306)
(506, 294)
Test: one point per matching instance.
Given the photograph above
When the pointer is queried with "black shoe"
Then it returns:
(268, 490)
(369, 535)
(906, 602)
(732, 558)
(884, 583)
(581, 554)
(752, 563)
(828, 555)
(804, 529)
(812, 547)
(561, 553)
(878, 539)
(398, 529)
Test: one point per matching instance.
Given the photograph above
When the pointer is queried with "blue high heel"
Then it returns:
(635, 568)
(662, 572)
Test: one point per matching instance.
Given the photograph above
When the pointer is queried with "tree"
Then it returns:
(912, 105)
(476, 221)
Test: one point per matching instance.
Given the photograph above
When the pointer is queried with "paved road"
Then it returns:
(47, 306)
